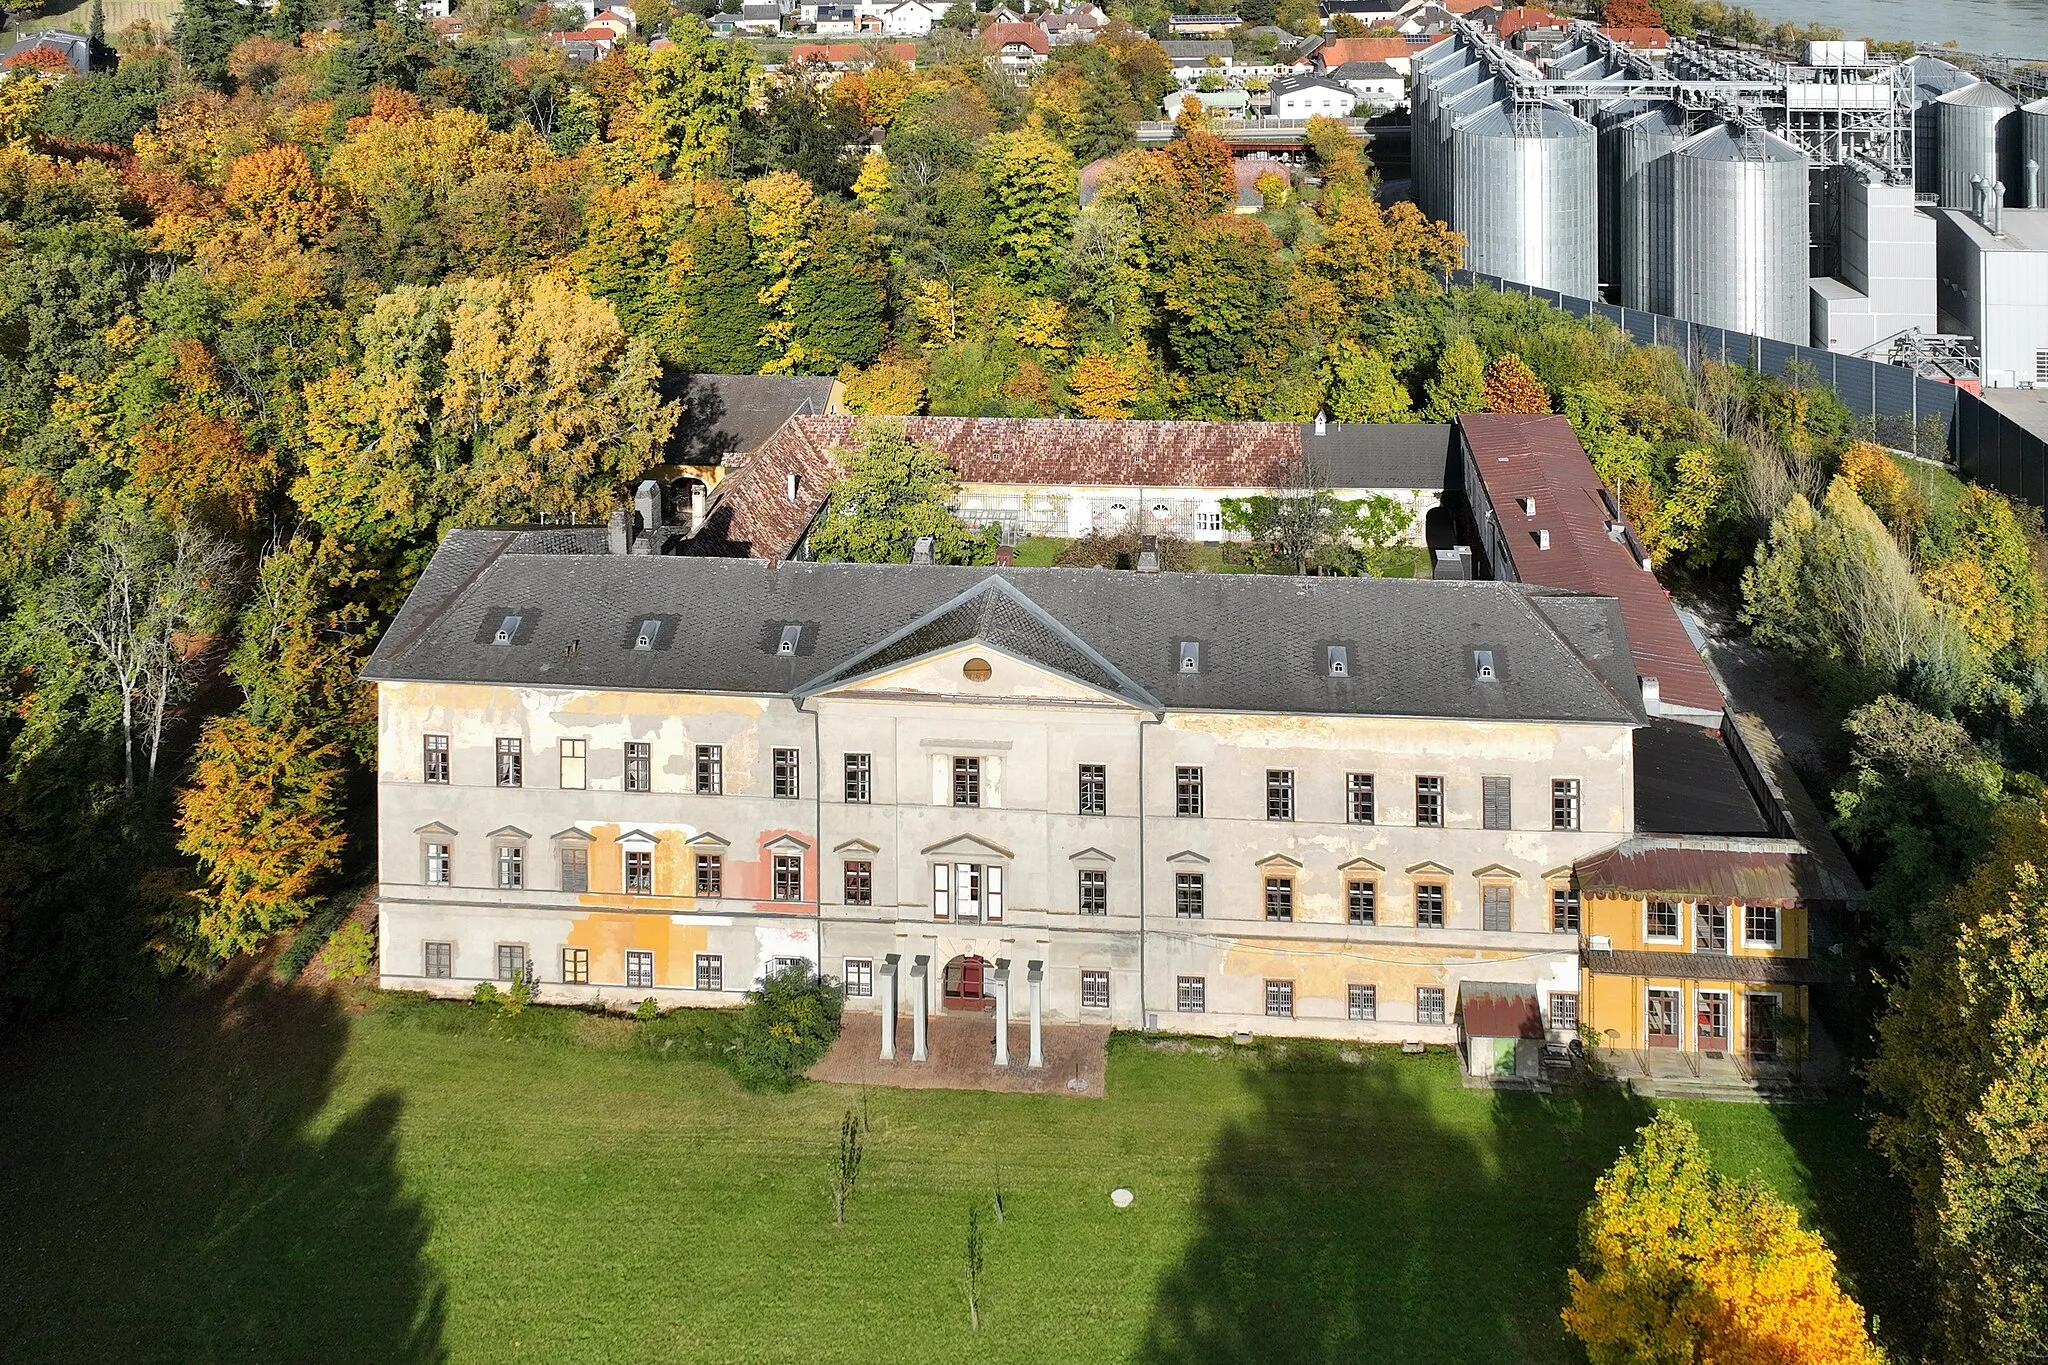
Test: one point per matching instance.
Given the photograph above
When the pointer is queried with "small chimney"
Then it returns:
(1543, 539)
(647, 502)
(2032, 171)
(1322, 424)
(920, 553)
(1148, 554)
(1651, 698)
(1994, 204)
(618, 532)
(700, 507)
(1977, 197)
(1006, 555)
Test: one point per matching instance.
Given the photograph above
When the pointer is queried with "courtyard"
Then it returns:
(298, 1175)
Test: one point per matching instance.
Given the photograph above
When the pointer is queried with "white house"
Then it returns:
(1300, 97)
(759, 16)
(1374, 83)
(912, 18)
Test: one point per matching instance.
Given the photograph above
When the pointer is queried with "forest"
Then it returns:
(281, 303)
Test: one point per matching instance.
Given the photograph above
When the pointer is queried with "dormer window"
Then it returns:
(650, 634)
(1339, 663)
(794, 486)
(1482, 665)
(1190, 656)
(508, 630)
(786, 645)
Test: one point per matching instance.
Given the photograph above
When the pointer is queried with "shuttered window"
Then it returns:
(1498, 801)
(1497, 908)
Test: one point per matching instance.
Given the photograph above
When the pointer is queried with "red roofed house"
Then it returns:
(1019, 46)
(1641, 39)
(593, 42)
(1336, 52)
(620, 25)
(1513, 21)
(848, 56)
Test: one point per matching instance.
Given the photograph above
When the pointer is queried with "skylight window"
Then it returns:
(1482, 665)
(1190, 656)
(650, 633)
(1339, 661)
(508, 630)
(787, 644)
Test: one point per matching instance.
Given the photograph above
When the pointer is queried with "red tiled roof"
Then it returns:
(1651, 39)
(1744, 871)
(1519, 457)
(752, 515)
(1031, 35)
(1022, 450)
(587, 35)
(1338, 51)
(1488, 1010)
(1513, 21)
(1465, 6)
(846, 54)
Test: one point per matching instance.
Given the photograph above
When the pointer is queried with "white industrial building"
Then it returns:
(1994, 287)
(1886, 286)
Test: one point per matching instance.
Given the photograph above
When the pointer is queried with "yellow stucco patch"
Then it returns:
(608, 936)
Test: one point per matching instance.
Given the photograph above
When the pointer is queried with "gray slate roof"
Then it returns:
(1287, 85)
(1383, 454)
(1198, 49)
(1263, 639)
(728, 415)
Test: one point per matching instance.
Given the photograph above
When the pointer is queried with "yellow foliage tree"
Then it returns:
(1511, 386)
(1882, 485)
(1107, 386)
(871, 186)
(1682, 1267)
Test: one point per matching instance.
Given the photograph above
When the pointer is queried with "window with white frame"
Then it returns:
(1280, 898)
(1564, 803)
(576, 966)
(1364, 1003)
(1093, 797)
(1760, 926)
(1429, 802)
(639, 767)
(440, 959)
(1095, 990)
(639, 968)
(1564, 1011)
(438, 862)
(436, 759)
(857, 977)
(710, 769)
(1094, 891)
(1358, 795)
(1564, 910)
(788, 884)
(511, 866)
(1190, 994)
(1209, 521)
(1189, 895)
(1660, 922)
(710, 972)
(786, 785)
(575, 764)
(1187, 793)
(860, 789)
(942, 890)
(1429, 1005)
(1280, 999)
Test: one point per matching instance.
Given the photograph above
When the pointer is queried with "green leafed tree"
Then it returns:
(896, 491)
(1459, 386)
(1364, 387)
(1032, 183)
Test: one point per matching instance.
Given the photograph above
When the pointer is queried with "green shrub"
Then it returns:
(647, 1011)
(789, 1021)
(485, 993)
(517, 998)
(351, 952)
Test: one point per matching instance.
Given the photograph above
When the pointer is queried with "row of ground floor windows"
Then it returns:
(1664, 1022)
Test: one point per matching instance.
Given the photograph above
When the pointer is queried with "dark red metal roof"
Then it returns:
(1748, 871)
(1519, 457)
(1492, 1010)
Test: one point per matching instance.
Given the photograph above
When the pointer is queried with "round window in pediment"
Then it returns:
(976, 670)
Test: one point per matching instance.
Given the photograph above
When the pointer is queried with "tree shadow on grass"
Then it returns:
(165, 1193)
(1375, 1212)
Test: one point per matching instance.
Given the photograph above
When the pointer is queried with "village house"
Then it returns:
(1302, 97)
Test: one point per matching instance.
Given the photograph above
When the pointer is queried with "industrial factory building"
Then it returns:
(1857, 203)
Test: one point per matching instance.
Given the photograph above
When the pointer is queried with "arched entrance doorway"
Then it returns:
(964, 985)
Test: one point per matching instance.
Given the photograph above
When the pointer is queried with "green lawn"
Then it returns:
(394, 1180)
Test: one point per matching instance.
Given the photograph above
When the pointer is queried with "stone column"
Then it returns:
(889, 1008)
(1036, 977)
(920, 1001)
(1003, 1012)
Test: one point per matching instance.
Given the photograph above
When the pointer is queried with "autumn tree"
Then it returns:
(1032, 184)
(1459, 385)
(194, 456)
(1511, 386)
(894, 492)
(681, 114)
(1679, 1266)
(1960, 1065)
(1106, 386)
(1364, 388)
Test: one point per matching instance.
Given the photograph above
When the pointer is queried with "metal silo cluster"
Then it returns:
(1932, 78)
(1739, 232)
(1636, 159)
(2033, 186)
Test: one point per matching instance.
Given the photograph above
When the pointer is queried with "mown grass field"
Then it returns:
(383, 1179)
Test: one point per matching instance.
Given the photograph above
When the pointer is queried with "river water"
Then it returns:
(2016, 28)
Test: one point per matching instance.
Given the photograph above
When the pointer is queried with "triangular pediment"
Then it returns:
(966, 846)
(1187, 857)
(436, 828)
(1559, 874)
(509, 832)
(708, 840)
(638, 838)
(856, 846)
(1091, 855)
(1022, 644)
(1360, 865)
(1427, 870)
(573, 835)
(1497, 872)
(786, 843)
(1273, 860)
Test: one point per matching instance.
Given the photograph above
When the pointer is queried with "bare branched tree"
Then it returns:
(132, 596)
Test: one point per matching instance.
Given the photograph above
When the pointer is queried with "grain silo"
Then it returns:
(1739, 242)
(1525, 185)
(2032, 191)
(1932, 78)
(1977, 128)
(1644, 262)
